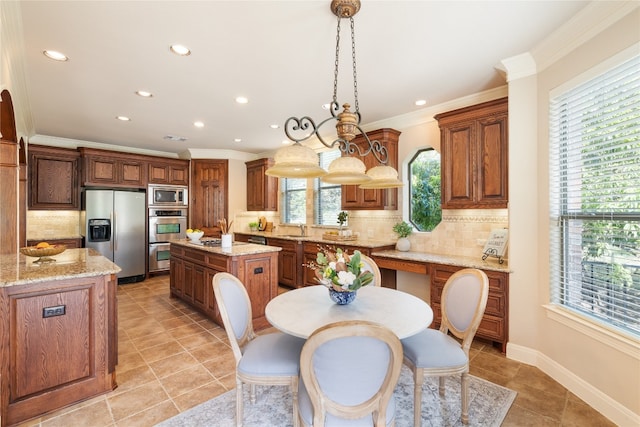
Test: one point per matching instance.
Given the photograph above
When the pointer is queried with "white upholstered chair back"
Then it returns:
(370, 265)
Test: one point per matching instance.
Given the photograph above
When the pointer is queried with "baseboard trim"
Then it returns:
(604, 404)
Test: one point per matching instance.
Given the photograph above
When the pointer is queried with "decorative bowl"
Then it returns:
(194, 237)
(43, 253)
(342, 298)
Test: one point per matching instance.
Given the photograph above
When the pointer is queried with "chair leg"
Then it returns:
(418, 380)
(441, 386)
(252, 387)
(294, 395)
(464, 395)
(239, 403)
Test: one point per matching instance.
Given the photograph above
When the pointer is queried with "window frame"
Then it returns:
(411, 187)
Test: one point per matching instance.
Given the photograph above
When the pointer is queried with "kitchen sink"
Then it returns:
(289, 235)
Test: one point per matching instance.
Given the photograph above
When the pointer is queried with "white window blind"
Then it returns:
(595, 198)
(294, 198)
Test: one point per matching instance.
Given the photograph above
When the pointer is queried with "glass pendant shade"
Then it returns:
(382, 177)
(346, 171)
(296, 161)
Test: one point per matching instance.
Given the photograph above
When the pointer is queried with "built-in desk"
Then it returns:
(495, 322)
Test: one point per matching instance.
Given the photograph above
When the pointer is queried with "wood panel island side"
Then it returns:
(58, 332)
(193, 265)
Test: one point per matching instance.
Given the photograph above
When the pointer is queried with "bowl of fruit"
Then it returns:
(43, 251)
(194, 234)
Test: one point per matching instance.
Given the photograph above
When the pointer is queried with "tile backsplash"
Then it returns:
(53, 224)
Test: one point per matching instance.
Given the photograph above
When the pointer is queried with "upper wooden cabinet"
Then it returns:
(209, 196)
(9, 176)
(53, 178)
(474, 149)
(168, 171)
(355, 198)
(262, 190)
(113, 169)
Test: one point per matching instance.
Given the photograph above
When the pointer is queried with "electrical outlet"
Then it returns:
(58, 310)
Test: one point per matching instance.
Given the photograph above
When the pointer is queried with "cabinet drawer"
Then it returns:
(492, 327)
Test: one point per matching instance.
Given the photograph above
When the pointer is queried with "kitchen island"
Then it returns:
(58, 332)
(193, 265)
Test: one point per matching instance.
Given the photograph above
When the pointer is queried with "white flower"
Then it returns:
(332, 265)
(346, 278)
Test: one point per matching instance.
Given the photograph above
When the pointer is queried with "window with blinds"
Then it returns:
(294, 200)
(327, 197)
(595, 198)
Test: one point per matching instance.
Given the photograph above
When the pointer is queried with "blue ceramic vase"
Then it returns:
(342, 298)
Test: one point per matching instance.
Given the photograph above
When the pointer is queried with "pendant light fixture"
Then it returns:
(298, 161)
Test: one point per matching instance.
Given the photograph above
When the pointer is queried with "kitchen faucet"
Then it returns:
(303, 229)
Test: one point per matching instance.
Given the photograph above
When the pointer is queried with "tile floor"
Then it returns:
(171, 358)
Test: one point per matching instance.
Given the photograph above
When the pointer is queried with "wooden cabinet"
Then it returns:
(113, 169)
(9, 176)
(58, 346)
(494, 324)
(355, 198)
(192, 271)
(168, 171)
(289, 261)
(209, 193)
(474, 149)
(53, 178)
(262, 190)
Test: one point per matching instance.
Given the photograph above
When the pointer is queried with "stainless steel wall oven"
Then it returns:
(165, 224)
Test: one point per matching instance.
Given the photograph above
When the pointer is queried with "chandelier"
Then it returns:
(299, 161)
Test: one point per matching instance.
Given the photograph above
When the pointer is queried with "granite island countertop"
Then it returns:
(238, 248)
(20, 269)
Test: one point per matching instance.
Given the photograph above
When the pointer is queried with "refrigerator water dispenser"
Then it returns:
(99, 230)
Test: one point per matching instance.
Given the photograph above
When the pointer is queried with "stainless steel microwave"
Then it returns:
(168, 195)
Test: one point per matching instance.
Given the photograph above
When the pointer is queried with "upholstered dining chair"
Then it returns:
(370, 265)
(436, 353)
(349, 370)
(269, 359)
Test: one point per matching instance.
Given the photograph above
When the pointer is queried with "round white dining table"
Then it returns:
(301, 311)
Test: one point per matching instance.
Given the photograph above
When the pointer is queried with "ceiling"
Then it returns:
(278, 54)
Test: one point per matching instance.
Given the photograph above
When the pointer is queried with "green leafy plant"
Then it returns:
(342, 217)
(403, 229)
(253, 225)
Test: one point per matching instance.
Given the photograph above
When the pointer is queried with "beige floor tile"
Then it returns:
(546, 404)
(133, 378)
(150, 416)
(221, 366)
(133, 401)
(152, 340)
(176, 322)
(183, 331)
(520, 417)
(199, 395)
(579, 414)
(97, 414)
(212, 350)
(172, 364)
(186, 380)
(129, 361)
(196, 340)
(161, 351)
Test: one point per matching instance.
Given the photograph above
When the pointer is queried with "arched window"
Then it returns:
(425, 212)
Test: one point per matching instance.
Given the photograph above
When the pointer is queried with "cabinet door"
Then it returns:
(114, 171)
(53, 178)
(176, 278)
(492, 160)
(458, 165)
(355, 198)
(171, 173)
(208, 192)
(289, 261)
(262, 190)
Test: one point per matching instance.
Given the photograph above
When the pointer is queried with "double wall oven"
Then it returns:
(167, 221)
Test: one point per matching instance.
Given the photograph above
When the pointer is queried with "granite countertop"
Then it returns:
(491, 264)
(20, 269)
(238, 248)
(360, 241)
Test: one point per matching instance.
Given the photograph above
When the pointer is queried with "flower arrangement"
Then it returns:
(337, 270)
(403, 229)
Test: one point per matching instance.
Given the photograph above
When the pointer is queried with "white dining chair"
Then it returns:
(436, 353)
(370, 265)
(269, 359)
(349, 370)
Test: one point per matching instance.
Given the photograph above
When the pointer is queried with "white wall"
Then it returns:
(599, 366)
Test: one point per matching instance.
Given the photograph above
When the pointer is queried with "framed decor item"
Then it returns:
(496, 245)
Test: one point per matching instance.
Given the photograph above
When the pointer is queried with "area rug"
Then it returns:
(488, 405)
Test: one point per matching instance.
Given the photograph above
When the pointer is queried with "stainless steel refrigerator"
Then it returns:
(114, 225)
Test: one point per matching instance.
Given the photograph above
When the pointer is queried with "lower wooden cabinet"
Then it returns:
(192, 271)
(289, 261)
(58, 344)
(494, 324)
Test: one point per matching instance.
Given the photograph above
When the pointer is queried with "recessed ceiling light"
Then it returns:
(178, 49)
(144, 93)
(241, 100)
(274, 126)
(57, 56)
(123, 118)
(198, 124)
(237, 140)
(421, 102)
